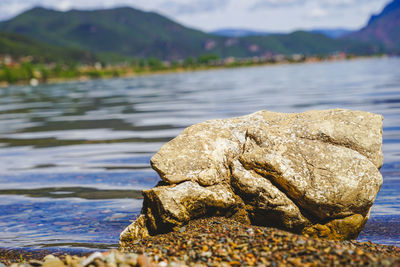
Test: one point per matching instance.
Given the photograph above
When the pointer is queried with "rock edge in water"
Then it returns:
(315, 173)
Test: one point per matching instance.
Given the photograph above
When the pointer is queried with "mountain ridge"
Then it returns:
(125, 32)
(242, 32)
(238, 32)
(382, 29)
(106, 30)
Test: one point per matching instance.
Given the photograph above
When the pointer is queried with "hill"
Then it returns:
(128, 32)
(19, 46)
(332, 33)
(233, 32)
(382, 29)
(124, 31)
(301, 42)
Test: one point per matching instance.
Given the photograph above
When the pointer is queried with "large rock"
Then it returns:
(315, 172)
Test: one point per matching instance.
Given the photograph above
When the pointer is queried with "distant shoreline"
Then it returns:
(128, 72)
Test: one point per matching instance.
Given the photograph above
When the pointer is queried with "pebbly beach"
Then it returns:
(219, 241)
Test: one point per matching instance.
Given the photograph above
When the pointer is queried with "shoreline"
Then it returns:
(132, 74)
(220, 241)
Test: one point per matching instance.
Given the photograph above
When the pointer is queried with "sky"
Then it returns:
(208, 15)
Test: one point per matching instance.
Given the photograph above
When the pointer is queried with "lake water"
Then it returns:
(74, 156)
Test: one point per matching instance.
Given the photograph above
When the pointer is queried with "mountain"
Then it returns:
(127, 32)
(17, 46)
(332, 33)
(382, 29)
(232, 32)
(301, 42)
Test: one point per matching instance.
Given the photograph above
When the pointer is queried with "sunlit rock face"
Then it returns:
(315, 172)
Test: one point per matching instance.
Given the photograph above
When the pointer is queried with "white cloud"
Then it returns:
(277, 3)
(193, 6)
(317, 12)
(12, 8)
(64, 5)
(324, 3)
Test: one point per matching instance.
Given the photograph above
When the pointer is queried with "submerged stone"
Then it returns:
(315, 172)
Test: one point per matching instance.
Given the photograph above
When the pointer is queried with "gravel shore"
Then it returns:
(225, 242)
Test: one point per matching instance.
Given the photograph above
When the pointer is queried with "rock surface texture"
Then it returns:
(315, 173)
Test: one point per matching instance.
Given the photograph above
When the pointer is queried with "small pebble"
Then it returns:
(143, 261)
(48, 257)
(91, 258)
(53, 262)
(34, 263)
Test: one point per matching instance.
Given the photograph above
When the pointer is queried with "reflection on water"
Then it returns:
(74, 156)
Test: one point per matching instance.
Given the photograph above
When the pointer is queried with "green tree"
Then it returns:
(189, 62)
(142, 63)
(155, 64)
(44, 72)
(27, 71)
(207, 59)
(9, 75)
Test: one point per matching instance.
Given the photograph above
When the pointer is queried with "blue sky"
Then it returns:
(267, 15)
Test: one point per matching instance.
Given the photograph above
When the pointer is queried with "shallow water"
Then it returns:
(74, 156)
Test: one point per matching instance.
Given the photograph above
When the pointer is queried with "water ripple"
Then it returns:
(75, 156)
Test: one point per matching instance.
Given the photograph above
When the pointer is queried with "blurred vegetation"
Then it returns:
(41, 72)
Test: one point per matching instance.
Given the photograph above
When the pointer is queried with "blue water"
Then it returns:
(74, 156)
